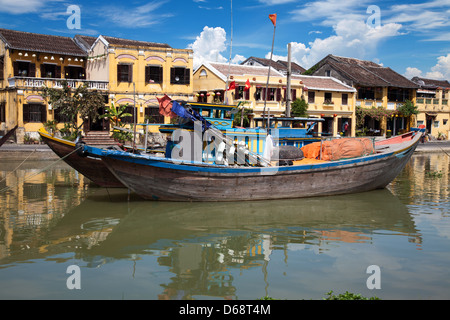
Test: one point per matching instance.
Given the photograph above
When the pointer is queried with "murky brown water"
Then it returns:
(126, 248)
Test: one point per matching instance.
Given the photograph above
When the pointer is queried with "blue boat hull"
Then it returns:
(165, 179)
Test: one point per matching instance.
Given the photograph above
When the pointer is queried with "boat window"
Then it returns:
(206, 113)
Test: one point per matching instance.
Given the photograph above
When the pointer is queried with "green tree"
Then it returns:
(408, 109)
(115, 115)
(299, 108)
(73, 102)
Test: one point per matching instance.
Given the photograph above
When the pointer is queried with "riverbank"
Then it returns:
(43, 152)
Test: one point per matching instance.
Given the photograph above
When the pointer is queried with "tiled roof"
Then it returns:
(85, 41)
(367, 73)
(134, 43)
(323, 83)
(279, 65)
(237, 69)
(27, 41)
(431, 83)
(295, 68)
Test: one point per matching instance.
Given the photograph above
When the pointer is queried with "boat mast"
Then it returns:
(268, 73)
(225, 100)
(288, 87)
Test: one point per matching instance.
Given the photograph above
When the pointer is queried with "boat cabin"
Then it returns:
(294, 131)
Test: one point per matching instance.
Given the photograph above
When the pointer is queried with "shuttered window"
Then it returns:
(50, 71)
(153, 116)
(125, 73)
(2, 65)
(2, 112)
(24, 69)
(153, 74)
(34, 112)
(180, 75)
(129, 119)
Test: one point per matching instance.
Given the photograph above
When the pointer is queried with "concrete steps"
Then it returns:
(99, 138)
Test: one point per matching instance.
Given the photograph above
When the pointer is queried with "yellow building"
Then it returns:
(327, 97)
(28, 62)
(434, 107)
(137, 72)
(377, 87)
(126, 71)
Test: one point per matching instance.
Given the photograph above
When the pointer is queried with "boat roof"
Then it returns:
(289, 119)
(204, 105)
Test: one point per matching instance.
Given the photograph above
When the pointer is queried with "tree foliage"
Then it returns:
(299, 108)
(74, 102)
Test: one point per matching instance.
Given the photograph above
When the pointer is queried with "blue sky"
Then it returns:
(410, 36)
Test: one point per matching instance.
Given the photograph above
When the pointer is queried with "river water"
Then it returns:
(63, 238)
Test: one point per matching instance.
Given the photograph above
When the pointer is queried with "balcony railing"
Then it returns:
(28, 82)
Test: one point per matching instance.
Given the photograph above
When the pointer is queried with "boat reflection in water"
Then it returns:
(196, 250)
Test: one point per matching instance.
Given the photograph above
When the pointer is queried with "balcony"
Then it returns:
(37, 83)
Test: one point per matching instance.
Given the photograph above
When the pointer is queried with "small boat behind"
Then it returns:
(91, 166)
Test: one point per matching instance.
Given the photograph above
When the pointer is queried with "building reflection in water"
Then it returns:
(201, 245)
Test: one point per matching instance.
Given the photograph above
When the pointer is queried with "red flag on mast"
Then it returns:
(273, 18)
(232, 86)
(247, 85)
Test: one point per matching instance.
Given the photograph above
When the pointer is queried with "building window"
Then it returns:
(2, 111)
(34, 112)
(180, 75)
(202, 97)
(328, 73)
(344, 99)
(60, 117)
(153, 116)
(240, 93)
(153, 74)
(125, 73)
(328, 98)
(436, 124)
(218, 95)
(129, 119)
(50, 71)
(24, 69)
(74, 73)
(311, 96)
(258, 94)
(366, 93)
(2, 72)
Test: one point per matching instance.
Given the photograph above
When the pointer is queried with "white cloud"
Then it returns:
(412, 72)
(21, 6)
(141, 16)
(352, 38)
(210, 46)
(430, 18)
(275, 2)
(330, 12)
(440, 71)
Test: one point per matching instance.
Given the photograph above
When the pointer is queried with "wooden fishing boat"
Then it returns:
(7, 135)
(91, 167)
(178, 180)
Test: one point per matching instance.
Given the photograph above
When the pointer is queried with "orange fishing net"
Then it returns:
(339, 149)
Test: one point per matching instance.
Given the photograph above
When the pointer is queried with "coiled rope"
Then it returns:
(40, 171)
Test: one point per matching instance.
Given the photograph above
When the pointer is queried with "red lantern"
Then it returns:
(335, 115)
(322, 115)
